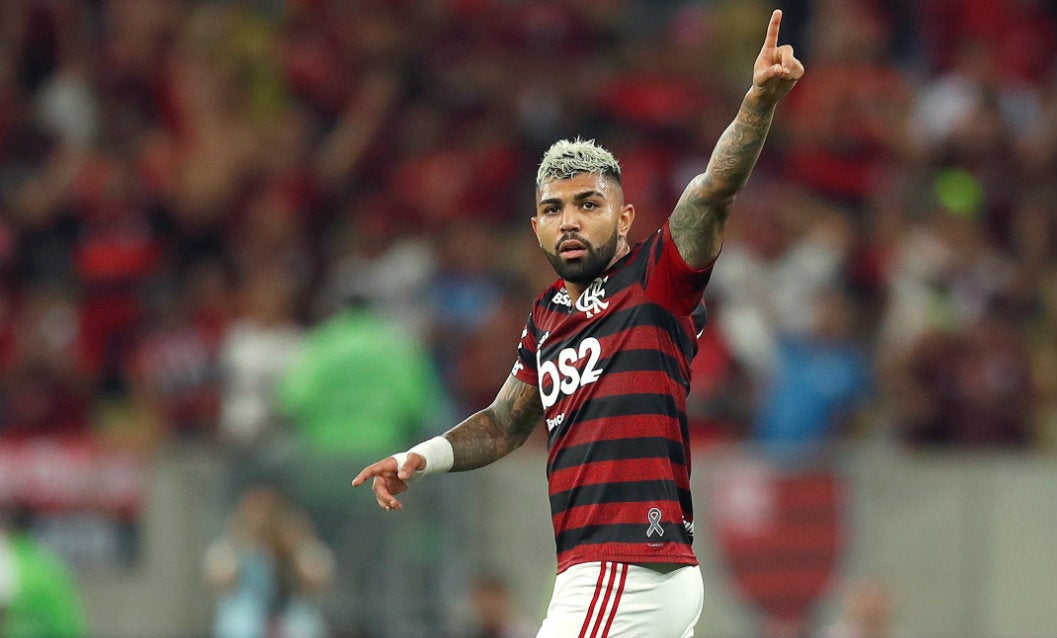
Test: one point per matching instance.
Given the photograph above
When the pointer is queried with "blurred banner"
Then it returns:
(780, 533)
(83, 499)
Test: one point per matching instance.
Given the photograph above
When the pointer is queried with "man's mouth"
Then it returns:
(572, 249)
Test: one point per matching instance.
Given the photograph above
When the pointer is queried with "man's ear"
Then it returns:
(627, 217)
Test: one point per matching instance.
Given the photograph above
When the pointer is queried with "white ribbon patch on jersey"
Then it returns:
(654, 515)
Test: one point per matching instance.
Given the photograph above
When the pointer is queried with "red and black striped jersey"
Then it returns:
(613, 371)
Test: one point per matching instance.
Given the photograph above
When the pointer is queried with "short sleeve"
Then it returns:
(670, 281)
(524, 369)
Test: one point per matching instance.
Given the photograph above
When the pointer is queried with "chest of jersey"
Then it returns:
(610, 343)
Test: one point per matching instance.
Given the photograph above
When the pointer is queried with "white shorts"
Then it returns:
(611, 600)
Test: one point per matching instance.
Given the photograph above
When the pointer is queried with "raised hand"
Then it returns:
(776, 69)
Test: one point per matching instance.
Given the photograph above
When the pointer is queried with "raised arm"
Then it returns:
(698, 219)
(483, 438)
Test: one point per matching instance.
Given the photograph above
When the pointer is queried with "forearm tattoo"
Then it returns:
(705, 204)
(499, 429)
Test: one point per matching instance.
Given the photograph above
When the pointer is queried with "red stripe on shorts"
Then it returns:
(616, 601)
(594, 600)
(605, 600)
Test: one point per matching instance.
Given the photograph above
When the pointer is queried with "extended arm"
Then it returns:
(698, 219)
(497, 430)
(483, 438)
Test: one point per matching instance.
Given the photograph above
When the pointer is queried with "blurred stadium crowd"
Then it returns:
(205, 205)
(186, 188)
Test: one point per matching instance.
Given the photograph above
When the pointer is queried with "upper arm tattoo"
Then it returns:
(698, 219)
(499, 429)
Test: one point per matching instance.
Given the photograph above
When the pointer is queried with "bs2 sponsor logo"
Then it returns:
(573, 368)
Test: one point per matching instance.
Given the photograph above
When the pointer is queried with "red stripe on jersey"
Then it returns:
(676, 553)
(615, 514)
(641, 337)
(616, 472)
(630, 426)
(632, 382)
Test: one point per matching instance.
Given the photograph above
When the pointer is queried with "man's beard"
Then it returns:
(584, 270)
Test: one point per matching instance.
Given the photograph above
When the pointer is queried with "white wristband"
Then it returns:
(438, 453)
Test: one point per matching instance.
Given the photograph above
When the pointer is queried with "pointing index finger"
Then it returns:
(771, 41)
(372, 470)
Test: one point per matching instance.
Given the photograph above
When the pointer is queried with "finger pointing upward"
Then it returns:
(776, 69)
(771, 41)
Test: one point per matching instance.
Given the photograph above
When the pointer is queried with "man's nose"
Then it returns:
(570, 219)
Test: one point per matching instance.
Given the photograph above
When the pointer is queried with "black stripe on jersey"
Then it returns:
(645, 360)
(618, 405)
(644, 447)
(619, 533)
(630, 318)
(625, 492)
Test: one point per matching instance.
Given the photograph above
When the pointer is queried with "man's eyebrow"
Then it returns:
(579, 197)
(582, 195)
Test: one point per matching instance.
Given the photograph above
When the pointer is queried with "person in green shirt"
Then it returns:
(359, 387)
(38, 596)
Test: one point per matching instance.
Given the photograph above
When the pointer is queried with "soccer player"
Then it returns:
(605, 360)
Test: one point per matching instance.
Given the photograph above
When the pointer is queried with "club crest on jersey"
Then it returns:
(561, 298)
(592, 301)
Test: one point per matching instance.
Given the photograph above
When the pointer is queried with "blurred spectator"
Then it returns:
(944, 274)
(866, 613)
(953, 339)
(373, 251)
(957, 388)
(42, 392)
(482, 359)
(38, 595)
(359, 387)
(986, 139)
(266, 569)
(465, 290)
(256, 351)
(254, 354)
(783, 248)
(820, 382)
(1011, 31)
(174, 369)
(493, 614)
(721, 402)
(848, 130)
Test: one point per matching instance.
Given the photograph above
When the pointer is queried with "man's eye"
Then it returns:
(590, 205)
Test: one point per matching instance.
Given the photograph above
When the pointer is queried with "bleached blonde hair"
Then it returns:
(566, 158)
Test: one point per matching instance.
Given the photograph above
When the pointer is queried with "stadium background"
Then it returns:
(189, 191)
